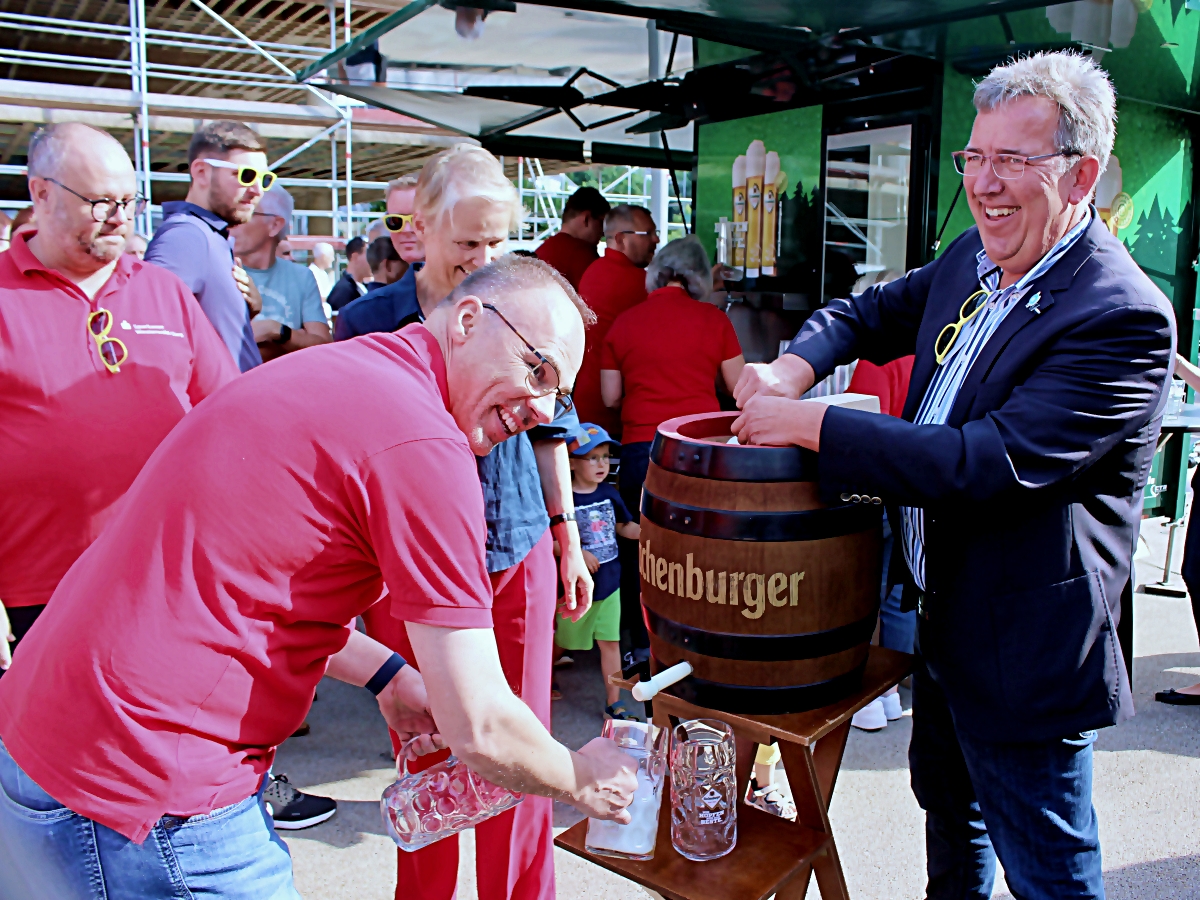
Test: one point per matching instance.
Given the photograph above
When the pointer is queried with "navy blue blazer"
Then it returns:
(1032, 490)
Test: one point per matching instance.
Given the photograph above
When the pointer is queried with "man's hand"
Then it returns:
(6, 636)
(405, 708)
(248, 288)
(593, 564)
(266, 330)
(577, 583)
(608, 776)
(789, 376)
(780, 422)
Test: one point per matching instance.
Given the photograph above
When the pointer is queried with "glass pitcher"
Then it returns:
(420, 808)
(646, 743)
(703, 790)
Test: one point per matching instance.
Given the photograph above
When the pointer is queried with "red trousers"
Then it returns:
(514, 851)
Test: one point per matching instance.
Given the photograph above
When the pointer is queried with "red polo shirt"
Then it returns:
(611, 285)
(72, 434)
(187, 641)
(568, 254)
(669, 352)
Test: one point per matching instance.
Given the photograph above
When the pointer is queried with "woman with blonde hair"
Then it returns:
(464, 210)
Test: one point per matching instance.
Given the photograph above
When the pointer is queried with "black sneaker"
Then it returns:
(292, 809)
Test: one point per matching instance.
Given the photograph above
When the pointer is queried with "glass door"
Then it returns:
(867, 187)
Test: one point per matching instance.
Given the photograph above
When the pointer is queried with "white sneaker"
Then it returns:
(871, 717)
(891, 706)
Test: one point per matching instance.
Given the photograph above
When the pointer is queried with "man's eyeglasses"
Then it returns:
(1008, 166)
(652, 231)
(112, 350)
(543, 378)
(105, 208)
(397, 221)
(246, 175)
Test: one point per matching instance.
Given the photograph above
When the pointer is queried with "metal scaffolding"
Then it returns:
(237, 62)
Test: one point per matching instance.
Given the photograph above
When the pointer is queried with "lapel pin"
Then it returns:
(1033, 303)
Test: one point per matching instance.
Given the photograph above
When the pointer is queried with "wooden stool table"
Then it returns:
(773, 855)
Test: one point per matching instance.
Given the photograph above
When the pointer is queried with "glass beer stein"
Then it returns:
(646, 743)
(423, 807)
(703, 790)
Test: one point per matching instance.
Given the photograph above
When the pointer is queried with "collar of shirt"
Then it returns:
(618, 258)
(210, 218)
(989, 273)
(30, 265)
(422, 341)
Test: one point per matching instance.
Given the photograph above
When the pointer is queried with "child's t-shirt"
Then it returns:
(598, 514)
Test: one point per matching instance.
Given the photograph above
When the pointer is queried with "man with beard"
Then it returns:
(229, 175)
(100, 356)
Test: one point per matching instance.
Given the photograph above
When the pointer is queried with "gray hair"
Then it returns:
(49, 144)
(512, 272)
(1087, 104)
(683, 260)
(622, 216)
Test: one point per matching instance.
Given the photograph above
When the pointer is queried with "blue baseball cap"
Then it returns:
(588, 438)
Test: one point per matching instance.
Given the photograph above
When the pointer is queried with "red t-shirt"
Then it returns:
(669, 352)
(611, 285)
(186, 643)
(568, 254)
(72, 434)
(887, 382)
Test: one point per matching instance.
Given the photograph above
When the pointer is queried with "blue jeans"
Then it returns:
(1029, 804)
(46, 850)
(897, 630)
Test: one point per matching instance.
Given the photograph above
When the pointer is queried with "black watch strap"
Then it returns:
(285, 334)
(386, 673)
(562, 517)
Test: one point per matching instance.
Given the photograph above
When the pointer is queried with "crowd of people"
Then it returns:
(422, 505)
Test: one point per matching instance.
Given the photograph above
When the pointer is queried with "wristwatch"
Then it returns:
(562, 517)
(285, 334)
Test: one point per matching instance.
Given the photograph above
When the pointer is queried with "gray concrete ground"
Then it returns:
(1146, 785)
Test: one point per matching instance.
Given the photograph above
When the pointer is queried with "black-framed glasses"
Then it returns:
(105, 208)
(395, 222)
(1008, 166)
(543, 379)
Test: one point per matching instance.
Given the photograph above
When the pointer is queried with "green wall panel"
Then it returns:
(794, 134)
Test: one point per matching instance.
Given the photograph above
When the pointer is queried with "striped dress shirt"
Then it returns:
(948, 378)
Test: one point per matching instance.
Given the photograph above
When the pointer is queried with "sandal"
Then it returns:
(620, 713)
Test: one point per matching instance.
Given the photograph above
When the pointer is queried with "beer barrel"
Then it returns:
(770, 594)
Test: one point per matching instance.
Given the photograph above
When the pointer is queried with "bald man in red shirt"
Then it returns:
(136, 734)
(611, 285)
(101, 355)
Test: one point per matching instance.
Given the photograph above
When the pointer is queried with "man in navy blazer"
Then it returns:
(1043, 356)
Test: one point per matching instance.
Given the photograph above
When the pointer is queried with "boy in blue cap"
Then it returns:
(602, 515)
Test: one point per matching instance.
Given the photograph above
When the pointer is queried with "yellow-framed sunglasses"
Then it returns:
(949, 334)
(395, 222)
(246, 175)
(112, 350)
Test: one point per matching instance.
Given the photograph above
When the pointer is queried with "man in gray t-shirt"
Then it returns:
(293, 316)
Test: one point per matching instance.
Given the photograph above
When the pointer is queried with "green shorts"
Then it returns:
(601, 623)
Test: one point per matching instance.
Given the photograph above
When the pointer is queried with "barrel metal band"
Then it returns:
(731, 525)
(760, 647)
(732, 462)
(744, 700)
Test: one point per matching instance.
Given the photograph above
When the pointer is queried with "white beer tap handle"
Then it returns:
(645, 690)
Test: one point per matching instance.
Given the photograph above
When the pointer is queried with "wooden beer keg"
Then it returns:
(771, 595)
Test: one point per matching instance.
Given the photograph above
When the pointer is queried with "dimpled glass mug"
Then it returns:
(420, 808)
(703, 790)
(647, 744)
